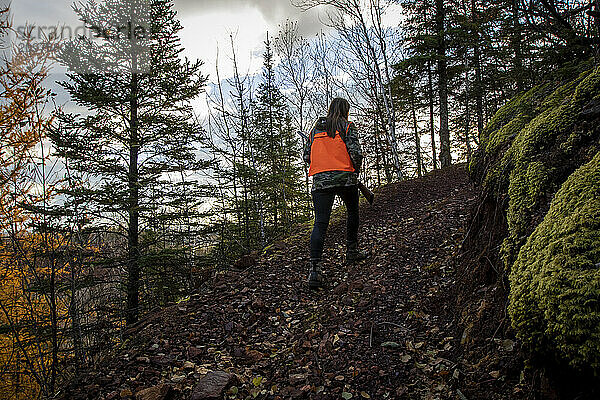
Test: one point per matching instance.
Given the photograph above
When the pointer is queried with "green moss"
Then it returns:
(531, 161)
(521, 104)
(525, 140)
(526, 188)
(555, 281)
(503, 130)
(588, 87)
(506, 133)
(560, 94)
(532, 177)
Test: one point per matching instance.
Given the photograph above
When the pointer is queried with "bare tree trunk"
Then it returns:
(366, 38)
(431, 115)
(377, 154)
(467, 112)
(75, 318)
(416, 133)
(376, 13)
(274, 168)
(133, 267)
(516, 45)
(478, 79)
(231, 141)
(52, 260)
(385, 94)
(445, 156)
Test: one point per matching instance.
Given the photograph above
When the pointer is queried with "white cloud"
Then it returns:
(206, 34)
(274, 11)
(208, 24)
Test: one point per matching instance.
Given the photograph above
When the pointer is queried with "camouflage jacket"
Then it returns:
(328, 179)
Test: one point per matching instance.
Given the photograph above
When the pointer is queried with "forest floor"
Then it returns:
(389, 327)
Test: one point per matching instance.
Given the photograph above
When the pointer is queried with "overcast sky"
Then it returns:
(207, 25)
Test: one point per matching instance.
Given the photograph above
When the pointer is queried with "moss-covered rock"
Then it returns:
(555, 282)
(530, 148)
(538, 161)
(535, 157)
(512, 117)
(502, 130)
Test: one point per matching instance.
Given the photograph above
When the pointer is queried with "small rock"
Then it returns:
(341, 288)
(363, 303)
(194, 352)
(297, 378)
(247, 261)
(162, 359)
(291, 392)
(229, 326)
(212, 385)
(356, 285)
(112, 395)
(257, 304)
(508, 345)
(274, 248)
(254, 356)
(246, 356)
(189, 365)
(159, 392)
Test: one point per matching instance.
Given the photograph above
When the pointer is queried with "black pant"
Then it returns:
(323, 202)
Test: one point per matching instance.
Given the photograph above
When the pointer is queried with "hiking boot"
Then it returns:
(315, 275)
(353, 254)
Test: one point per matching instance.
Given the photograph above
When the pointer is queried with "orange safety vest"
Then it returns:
(329, 154)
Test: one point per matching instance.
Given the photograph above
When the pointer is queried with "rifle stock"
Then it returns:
(369, 195)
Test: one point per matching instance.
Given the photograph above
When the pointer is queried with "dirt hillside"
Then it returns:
(390, 327)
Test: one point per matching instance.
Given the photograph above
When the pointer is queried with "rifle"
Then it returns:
(369, 195)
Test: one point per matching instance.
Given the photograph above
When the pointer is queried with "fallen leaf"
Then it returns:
(335, 339)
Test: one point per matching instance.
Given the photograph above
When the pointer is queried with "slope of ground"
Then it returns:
(388, 327)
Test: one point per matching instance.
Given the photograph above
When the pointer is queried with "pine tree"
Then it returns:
(136, 142)
(427, 39)
(275, 149)
(405, 88)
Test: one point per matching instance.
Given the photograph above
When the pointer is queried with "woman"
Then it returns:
(335, 158)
